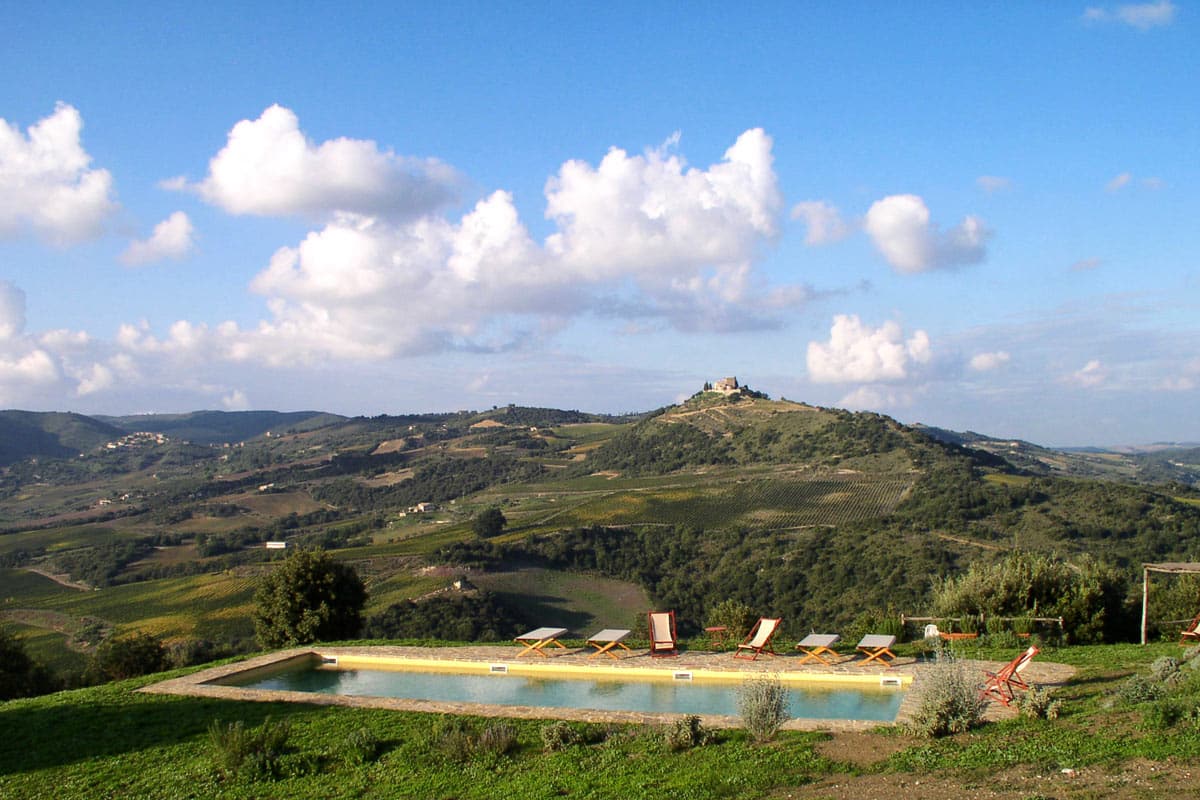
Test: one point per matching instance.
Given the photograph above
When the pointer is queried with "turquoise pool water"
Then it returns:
(832, 701)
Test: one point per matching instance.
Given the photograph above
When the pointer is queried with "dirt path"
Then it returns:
(61, 580)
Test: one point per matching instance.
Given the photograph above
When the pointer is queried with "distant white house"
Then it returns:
(276, 545)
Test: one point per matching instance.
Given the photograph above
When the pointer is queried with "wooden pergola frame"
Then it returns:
(1174, 568)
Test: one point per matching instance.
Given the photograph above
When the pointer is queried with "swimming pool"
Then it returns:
(671, 693)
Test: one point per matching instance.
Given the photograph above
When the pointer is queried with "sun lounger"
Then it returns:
(1002, 686)
(758, 641)
(816, 646)
(877, 647)
(539, 638)
(662, 633)
(606, 640)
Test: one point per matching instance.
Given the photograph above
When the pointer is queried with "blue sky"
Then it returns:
(979, 217)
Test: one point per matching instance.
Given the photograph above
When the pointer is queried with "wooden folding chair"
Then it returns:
(662, 633)
(758, 641)
(1002, 686)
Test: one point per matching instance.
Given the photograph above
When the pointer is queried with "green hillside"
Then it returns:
(822, 516)
(28, 434)
(216, 427)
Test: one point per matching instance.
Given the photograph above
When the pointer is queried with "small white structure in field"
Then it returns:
(276, 545)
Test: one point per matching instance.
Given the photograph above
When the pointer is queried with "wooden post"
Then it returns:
(1145, 598)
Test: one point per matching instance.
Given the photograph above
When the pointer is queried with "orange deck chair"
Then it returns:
(662, 633)
(759, 639)
(1002, 686)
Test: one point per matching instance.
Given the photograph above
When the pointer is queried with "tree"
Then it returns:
(20, 675)
(309, 597)
(489, 522)
(129, 656)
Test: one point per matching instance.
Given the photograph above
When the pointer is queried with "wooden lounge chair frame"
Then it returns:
(877, 647)
(1002, 686)
(606, 640)
(816, 646)
(540, 638)
(662, 633)
(758, 641)
(1192, 632)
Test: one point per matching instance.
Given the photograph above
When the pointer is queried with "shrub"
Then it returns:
(1169, 711)
(1141, 689)
(686, 733)
(362, 746)
(254, 754)
(1037, 704)
(559, 735)
(129, 656)
(454, 738)
(1089, 596)
(735, 616)
(950, 701)
(1165, 669)
(762, 702)
(499, 738)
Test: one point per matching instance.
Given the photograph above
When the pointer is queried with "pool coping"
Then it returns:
(706, 666)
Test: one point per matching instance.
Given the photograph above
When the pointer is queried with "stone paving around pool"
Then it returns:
(787, 667)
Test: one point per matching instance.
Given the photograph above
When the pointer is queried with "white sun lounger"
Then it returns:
(877, 647)
(539, 638)
(606, 640)
(816, 646)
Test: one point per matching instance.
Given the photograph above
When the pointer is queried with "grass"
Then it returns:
(110, 741)
(583, 603)
(125, 744)
(203, 606)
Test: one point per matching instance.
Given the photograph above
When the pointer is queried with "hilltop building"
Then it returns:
(727, 386)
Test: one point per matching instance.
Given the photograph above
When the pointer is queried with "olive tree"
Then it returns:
(309, 597)
(489, 522)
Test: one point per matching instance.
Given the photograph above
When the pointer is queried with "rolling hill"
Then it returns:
(819, 515)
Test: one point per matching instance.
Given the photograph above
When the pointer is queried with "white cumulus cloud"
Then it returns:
(639, 237)
(1142, 16)
(1086, 265)
(47, 185)
(993, 183)
(900, 228)
(652, 214)
(235, 401)
(858, 353)
(986, 362)
(12, 311)
(173, 238)
(1091, 375)
(824, 221)
(875, 398)
(24, 365)
(1119, 182)
(269, 167)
